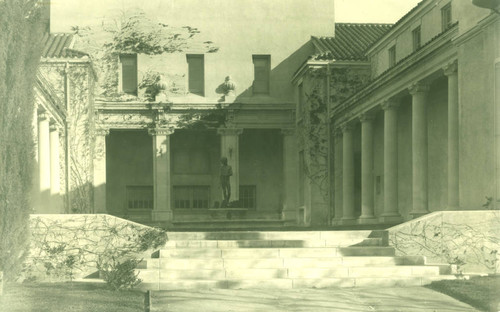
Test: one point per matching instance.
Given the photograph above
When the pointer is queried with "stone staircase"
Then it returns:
(274, 259)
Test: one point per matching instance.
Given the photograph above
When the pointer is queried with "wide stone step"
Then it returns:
(275, 252)
(276, 235)
(272, 243)
(339, 271)
(287, 283)
(276, 263)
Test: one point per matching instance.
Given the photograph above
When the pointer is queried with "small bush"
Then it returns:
(119, 274)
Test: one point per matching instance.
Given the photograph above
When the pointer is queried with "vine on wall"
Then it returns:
(63, 248)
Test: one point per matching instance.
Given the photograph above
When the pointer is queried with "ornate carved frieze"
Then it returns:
(126, 120)
(101, 132)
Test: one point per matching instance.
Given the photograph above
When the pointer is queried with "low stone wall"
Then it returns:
(67, 246)
(470, 239)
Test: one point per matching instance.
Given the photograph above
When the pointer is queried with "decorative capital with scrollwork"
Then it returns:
(346, 127)
(160, 131)
(451, 68)
(101, 131)
(43, 116)
(366, 117)
(288, 131)
(418, 87)
(230, 131)
(389, 104)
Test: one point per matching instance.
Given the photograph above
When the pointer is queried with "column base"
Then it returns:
(336, 222)
(417, 214)
(367, 220)
(390, 218)
(162, 215)
(349, 221)
(289, 216)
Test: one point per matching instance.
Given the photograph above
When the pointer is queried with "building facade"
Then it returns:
(421, 134)
(322, 123)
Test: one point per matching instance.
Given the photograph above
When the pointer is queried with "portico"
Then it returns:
(149, 169)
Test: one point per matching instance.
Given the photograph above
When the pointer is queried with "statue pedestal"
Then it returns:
(229, 98)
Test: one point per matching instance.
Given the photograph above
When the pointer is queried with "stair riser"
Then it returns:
(292, 283)
(252, 253)
(293, 235)
(224, 244)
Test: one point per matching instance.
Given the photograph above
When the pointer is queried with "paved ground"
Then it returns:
(347, 299)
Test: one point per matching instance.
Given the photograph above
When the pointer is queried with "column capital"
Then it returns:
(418, 87)
(101, 132)
(54, 127)
(160, 131)
(366, 117)
(450, 68)
(389, 104)
(288, 131)
(229, 131)
(43, 116)
(346, 127)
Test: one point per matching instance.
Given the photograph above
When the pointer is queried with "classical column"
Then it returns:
(100, 171)
(338, 164)
(453, 196)
(55, 183)
(367, 204)
(44, 160)
(348, 176)
(230, 149)
(162, 186)
(419, 148)
(290, 174)
(391, 211)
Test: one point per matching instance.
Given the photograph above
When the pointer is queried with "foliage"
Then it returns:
(471, 246)
(20, 34)
(75, 245)
(195, 119)
(119, 274)
(134, 32)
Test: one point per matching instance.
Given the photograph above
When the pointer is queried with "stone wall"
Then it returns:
(66, 246)
(470, 239)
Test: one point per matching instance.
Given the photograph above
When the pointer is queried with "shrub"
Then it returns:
(119, 274)
(19, 57)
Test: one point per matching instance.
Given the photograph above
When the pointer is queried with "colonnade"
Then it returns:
(49, 172)
(391, 211)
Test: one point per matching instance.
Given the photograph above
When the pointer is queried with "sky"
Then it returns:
(355, 11)
(372, 11)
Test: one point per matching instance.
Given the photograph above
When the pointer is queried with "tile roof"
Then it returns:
(59, 45)
(350, 41)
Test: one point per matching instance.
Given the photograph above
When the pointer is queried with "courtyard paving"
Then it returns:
(344, 299)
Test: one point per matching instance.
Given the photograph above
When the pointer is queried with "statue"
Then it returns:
(227, 90)
(225, 172)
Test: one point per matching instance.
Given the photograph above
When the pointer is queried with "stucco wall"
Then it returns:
(207, 145)
(129, 161)
(437, 133)
(476, 98)
(261, 164)
(239, 28)
(429, 20)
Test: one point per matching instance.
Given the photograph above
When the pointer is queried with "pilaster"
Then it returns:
(44, 161)
(390, 213)
(367, 196)
(451, 71)
(290, 175)
(162, 186)
(100, 171)
(230, 150)
(55, 182)
(348, 176)
(419, 93)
